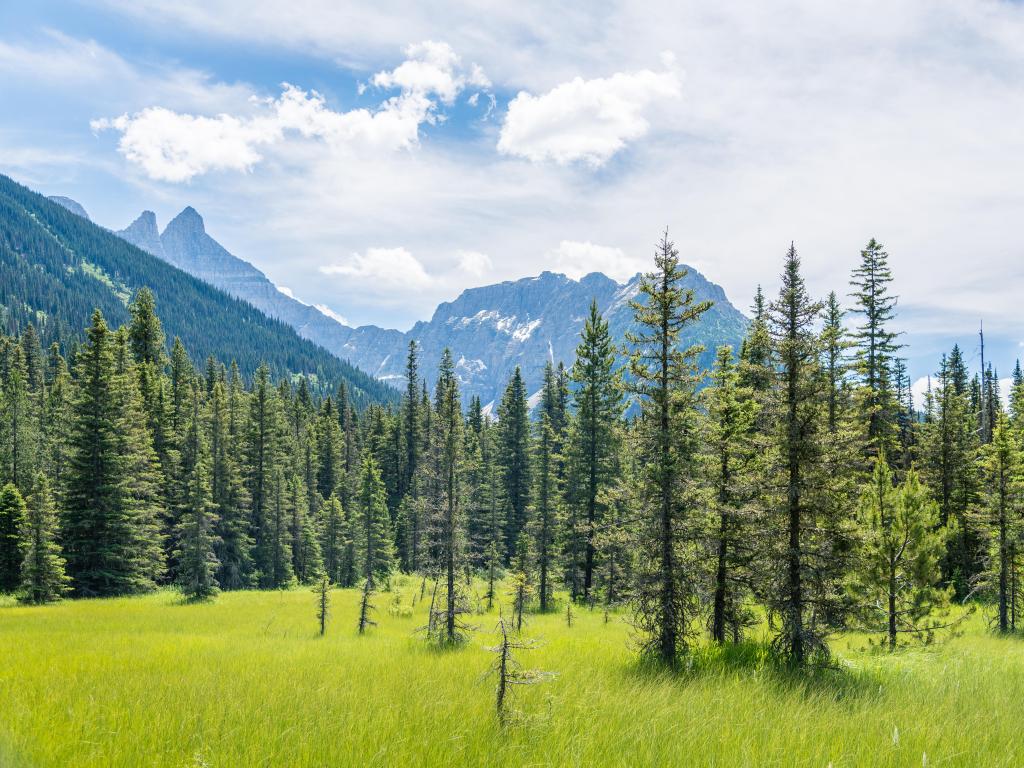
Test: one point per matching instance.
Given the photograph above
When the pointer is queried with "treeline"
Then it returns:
(795, 479)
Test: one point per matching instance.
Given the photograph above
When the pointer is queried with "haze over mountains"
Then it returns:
(490, 329)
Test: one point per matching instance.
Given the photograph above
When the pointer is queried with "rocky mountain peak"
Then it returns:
(72, 205)
(143, 233)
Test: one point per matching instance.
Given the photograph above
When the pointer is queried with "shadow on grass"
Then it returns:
(832, 679)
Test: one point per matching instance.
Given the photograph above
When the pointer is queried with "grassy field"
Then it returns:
(247, 681)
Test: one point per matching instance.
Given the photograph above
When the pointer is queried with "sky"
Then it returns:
(376, 159)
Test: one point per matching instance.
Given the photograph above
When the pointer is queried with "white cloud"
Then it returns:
(474, 263)
(176, 147)
(577, 259)
(432, 68)
(384, 268)
(584, 120)
(328, 312)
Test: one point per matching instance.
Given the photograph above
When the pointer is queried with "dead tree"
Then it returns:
(323, 602)
(365, 606)
(508, 671)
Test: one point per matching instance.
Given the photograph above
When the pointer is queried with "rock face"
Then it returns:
(72, 205)
(490, 330)
(142, 233)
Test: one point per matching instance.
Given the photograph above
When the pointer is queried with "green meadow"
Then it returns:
(247, 681)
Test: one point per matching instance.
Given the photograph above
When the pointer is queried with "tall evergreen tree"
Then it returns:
(593, 446)
(513, 456)
(12, 522)
(546, 509)
(805, 556)
(195, 531)
(875, 347)
(662, 380)
(43, 579)
(730, 466)
(374, 541)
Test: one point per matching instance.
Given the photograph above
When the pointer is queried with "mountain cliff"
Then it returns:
(490, 329)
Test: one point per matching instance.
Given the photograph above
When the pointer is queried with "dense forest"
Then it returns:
(795, 480)
(56, 268)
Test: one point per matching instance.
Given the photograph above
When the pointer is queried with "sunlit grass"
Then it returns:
(247, 681)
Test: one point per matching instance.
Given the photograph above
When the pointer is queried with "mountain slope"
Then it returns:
(490, 329)
(56, 266)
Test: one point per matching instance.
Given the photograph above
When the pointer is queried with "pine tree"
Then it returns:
(449, 516)
(110, 531)
(546, 509)
(195, 531)
(12, 523)
(233, 543)
(806, 557)
(663, 380)
(949, 446)
(43, 579)
(263, 464)
(19, 434)
(374, 540)
(875, 347)
(1003, 486)
(593, 446)
(897, 583)
(730, 466)
(513, 455)
(335, 542)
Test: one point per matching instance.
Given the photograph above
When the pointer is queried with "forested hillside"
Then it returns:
(800, 484)
(57, 267)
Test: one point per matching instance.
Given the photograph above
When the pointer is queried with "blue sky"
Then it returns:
(417, 151)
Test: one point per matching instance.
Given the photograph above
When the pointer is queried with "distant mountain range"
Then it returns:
(490, 329)
(56, 267)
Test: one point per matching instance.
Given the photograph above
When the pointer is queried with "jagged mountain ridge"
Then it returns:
(490, 329)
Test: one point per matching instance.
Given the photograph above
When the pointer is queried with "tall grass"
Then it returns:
(247, 681)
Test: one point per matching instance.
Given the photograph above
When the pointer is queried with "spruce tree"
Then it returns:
(662, 381)
(110, 532)
(513, 454)
(546, 510)
(374, 541)
(1003, 487)
(335, 541)
(875, 347)
(12, 523)
(449, 515)
(233, 543)
(730, 461)
(195, 531)
(804, 535)
(43, 579)
(593, 446)
(263, 463)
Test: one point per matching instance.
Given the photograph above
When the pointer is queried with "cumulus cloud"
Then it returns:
(474, 263)
(432, 68)
(384, 268)
(585, 120)
(176, 146)
(577, 259)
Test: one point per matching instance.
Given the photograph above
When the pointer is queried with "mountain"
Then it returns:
(56, 267)
(490, 329)
(72, 205)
